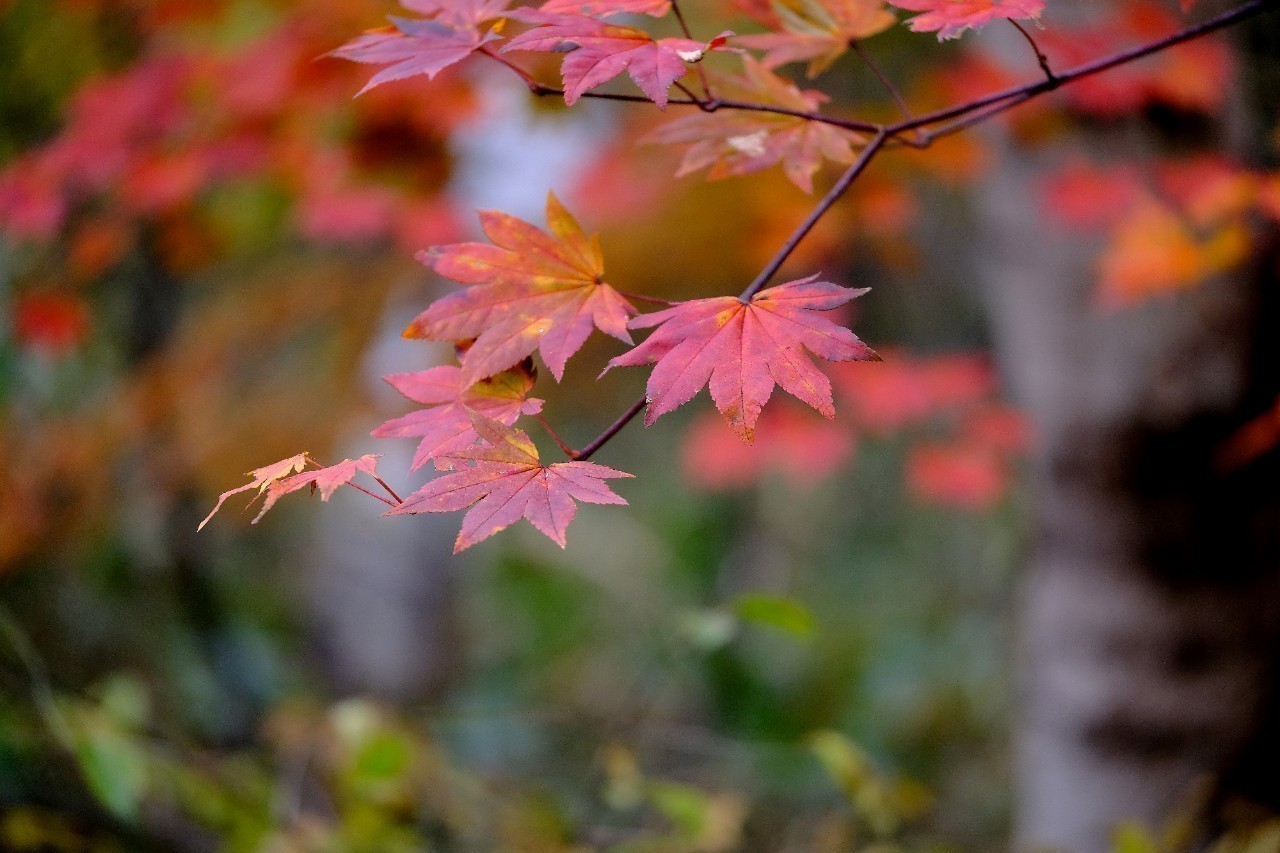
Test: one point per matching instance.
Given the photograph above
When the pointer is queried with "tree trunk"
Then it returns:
(1150, 614)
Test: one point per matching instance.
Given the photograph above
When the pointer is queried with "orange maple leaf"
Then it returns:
(818, 31)
(739, 143)
(533, 290)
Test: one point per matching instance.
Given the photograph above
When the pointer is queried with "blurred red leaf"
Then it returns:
(739, 143)
(958, 475)
(817, 31)
(55, 322)
(803, 448)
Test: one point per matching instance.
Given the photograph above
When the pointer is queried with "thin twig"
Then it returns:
(390, 490)
(710, 104)
(1097, 66)
(684, 28)
(555, 436)
(652, 300)
(1040, 57)
(689, 93)
(616, 427)
(894, 92)
(833, 195)
(374, 495)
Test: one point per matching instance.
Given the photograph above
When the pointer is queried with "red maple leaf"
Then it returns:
(739, 143)
(742, 349)
(532, 290)
(445, 426)
(598, 52)
(451, 32)
(950, 18)
(508, 482)
(818, 31)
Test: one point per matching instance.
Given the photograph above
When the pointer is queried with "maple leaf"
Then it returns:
(818, 31)
(738, 143)
(450, 33)
(445, 426)
(327, 480)
(262, 478)
(950, 18)
(532, 290)
(605, 8)
(598, 52)
(280, 478)
(508, 482)
(742, 349)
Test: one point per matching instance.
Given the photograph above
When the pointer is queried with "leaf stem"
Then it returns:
(684, 28)
(828, 201)
(894, 92)
(374, 495)
(555, 436)
(390, 490)
(652, 300)
(616, 427)
(1040, 57)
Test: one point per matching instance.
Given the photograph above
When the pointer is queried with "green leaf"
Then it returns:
(777, 612)
(684, 806)
(113, 765)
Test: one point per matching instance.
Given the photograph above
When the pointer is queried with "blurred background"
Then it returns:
(1022, 591)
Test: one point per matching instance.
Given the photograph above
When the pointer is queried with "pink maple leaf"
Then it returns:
(445, 425)
(950, 18)
(598, 52)
(742, 349)
(508, 482)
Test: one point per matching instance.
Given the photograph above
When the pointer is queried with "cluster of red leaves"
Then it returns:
(1167, 227)
(962, 441)
(147, 142)
(533, 290)
(1194, 76)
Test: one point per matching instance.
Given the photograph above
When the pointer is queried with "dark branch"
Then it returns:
(833, 195)
(615, 428)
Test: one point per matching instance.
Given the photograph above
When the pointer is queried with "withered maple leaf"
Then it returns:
(742, 349)
(818, 31)
(451, 32)
(260, 479)
(280, 478)
(532, 290)
(445, 425)
(598, 52)
(739, 143)
(950, 18)
(508, 482)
